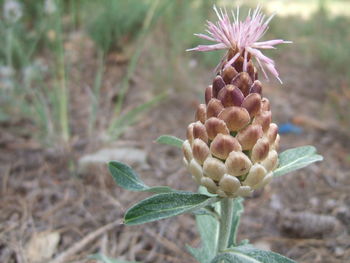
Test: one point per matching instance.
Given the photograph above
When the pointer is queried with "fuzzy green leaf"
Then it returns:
(250, 254)
(237, 212)
(197, 253)
(102, 258)
(126, 178)
(296, 158)
(166, 205)
(208, 228)
(170, 140)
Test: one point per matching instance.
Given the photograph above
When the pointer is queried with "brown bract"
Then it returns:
(252, 103)
(243, 81)
(199, 131)
(215, 126)
(222, 145)
(214, 108)
(201, 113)
(200, 150)
(235, 118)
(218, 84)
(249, 136)
(230, 95)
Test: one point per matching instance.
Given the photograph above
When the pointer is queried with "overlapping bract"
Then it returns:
(231, 148)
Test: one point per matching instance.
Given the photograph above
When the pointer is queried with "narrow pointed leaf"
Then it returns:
(127, 178)
(170, 140)
(166, 205)
(237, 212)
(297, 158)
(119, 124)
(250, 254)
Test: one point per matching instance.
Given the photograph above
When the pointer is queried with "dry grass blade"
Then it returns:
(64, 256)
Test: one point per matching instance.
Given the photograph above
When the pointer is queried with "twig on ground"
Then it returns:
(61, 258)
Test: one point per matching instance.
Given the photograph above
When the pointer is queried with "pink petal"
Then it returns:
(206, 37)
(272, 42)
(204, 48)
(232, 60)
(244, 35)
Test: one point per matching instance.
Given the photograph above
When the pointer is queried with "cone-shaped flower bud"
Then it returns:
(265, 104)
(201, 113)
(229, 184)
(200, 150)
(260, 150)
(255, 175)
(196, 170)
(243, 82)
(236, 118)
(214, 168)
(218, 84)
(215, 126)
(228, 74)
(263, 119)
(271, 161)
(222, 145)
(237, 164)
(186, 148)
(252, 103)
(208, 94)
(230, 95)
(199, 131)
(232, 148)
(272, 133)
(256, 87)
(214, 108)
(249, 136)
(209, 184)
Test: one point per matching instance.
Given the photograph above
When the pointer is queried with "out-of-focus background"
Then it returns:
(83, 82)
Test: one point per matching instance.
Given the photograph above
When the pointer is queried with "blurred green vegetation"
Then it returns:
(322, 37)
(115, 22)
(36, 75)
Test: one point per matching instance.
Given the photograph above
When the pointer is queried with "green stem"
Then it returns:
(9, 40)
(63, 95)
(225, 222)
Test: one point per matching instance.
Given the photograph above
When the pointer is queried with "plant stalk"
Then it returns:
(9, 40)
(225, 222)
(62, 81)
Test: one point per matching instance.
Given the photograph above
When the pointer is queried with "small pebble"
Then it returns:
(339, 251)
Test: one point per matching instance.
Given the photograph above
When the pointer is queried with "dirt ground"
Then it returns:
(304, 215)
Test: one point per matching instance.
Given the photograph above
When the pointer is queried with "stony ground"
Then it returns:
(51, 209)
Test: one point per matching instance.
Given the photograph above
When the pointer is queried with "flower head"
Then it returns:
(50, 7)
(12, 11)
(242, 38)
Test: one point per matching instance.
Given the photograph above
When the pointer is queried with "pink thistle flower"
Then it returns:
(242, 37)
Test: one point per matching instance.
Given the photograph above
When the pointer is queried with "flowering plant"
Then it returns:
(230, 150)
